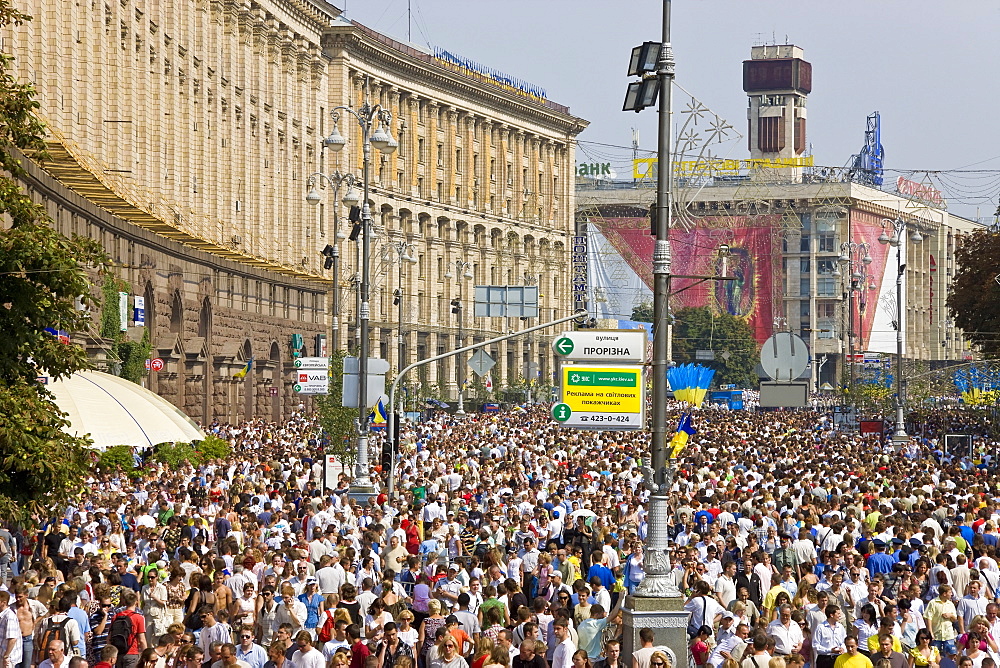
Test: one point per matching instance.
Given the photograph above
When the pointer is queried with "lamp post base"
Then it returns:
(361, 492)
(667, 619)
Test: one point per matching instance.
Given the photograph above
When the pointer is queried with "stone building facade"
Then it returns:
(183, 136)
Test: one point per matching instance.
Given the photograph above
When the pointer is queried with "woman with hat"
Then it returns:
(314, 603)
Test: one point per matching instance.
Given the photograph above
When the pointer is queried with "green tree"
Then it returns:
(175, 455)
(130, 355)
(41, 466)
(643, 312)
(116, 457)
(334, 419)
(974, 297)
(700, 328)
(214, 447)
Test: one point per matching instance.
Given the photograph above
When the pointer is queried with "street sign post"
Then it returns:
(602, 397)
(481, 363)
(156, 364)
(312, 363)
(311, 381)
(616, 345)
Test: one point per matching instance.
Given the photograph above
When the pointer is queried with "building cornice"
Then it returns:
(361, 45)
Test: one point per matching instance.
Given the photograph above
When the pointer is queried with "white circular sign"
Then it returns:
(784, 356)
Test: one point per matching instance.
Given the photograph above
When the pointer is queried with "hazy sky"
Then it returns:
(928, 67)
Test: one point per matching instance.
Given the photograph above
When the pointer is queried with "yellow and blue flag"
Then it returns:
(685, 430)
(379, 416)
(242, 373)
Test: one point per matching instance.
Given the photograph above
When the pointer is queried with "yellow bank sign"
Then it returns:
(645, 168)
(601, 397)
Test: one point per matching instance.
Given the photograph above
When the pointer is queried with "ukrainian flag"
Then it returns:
(378, 417)
(243, 372)
(684, 431)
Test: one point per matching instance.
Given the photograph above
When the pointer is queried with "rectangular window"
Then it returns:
(804, 266)
(804, 243)
(826, 243)
(825, 286)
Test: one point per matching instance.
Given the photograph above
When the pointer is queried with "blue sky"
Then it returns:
(927, 67)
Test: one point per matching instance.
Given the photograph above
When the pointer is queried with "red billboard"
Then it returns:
(865, 231)
(754, 261)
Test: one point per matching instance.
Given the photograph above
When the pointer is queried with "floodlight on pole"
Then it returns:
(641, 94)
(644, 59)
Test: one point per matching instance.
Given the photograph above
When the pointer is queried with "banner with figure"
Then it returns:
(754, 261)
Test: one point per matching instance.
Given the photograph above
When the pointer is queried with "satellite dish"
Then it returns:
(784, 357)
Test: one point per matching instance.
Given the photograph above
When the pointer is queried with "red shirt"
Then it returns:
(138, 627)
(359, 652)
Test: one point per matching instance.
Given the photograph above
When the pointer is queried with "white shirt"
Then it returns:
(10, 629)
(330, 579)
(785, 638)
(48, 663)
(725, 587)
(313, 658)
(210, 634)
(563, 656)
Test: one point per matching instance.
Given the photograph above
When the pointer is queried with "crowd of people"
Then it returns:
(512, 543)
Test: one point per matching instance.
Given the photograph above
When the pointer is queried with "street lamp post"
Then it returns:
(374, 122)
(332, 251)
(855, 258)
(654, 64)
(897, 241)
(531, 372)
(404, 255)
(462, 272)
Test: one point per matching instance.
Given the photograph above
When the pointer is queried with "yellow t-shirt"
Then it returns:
(873, 645)
(859, 660)
(772, 594)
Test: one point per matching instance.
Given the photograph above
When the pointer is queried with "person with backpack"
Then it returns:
(128, 632)
(59, 626)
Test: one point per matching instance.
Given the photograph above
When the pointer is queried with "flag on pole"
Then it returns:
(684, 431)
(488, 382)
(242, 373)
(378, 417)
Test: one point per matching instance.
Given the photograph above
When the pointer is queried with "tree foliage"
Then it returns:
(214, 447)
(116, 457)
(43, 276)
(700, 328)
(130, 355)
(974, 298)
(176, 455)
(643, 312)
(335, 420)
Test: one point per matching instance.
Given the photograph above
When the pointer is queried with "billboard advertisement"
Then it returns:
(754, 261)
(875, 294)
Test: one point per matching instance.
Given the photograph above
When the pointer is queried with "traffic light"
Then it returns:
(390, 448)
(397, 294)
(456, 306)
(354, 216)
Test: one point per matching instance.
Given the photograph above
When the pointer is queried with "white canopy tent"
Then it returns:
(115, 411)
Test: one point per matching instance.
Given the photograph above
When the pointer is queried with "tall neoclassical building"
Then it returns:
(183, 134)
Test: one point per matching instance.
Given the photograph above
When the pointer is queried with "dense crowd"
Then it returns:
(511, 543)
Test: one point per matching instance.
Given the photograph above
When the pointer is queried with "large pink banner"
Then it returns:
(754, 257)
(865, 231)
